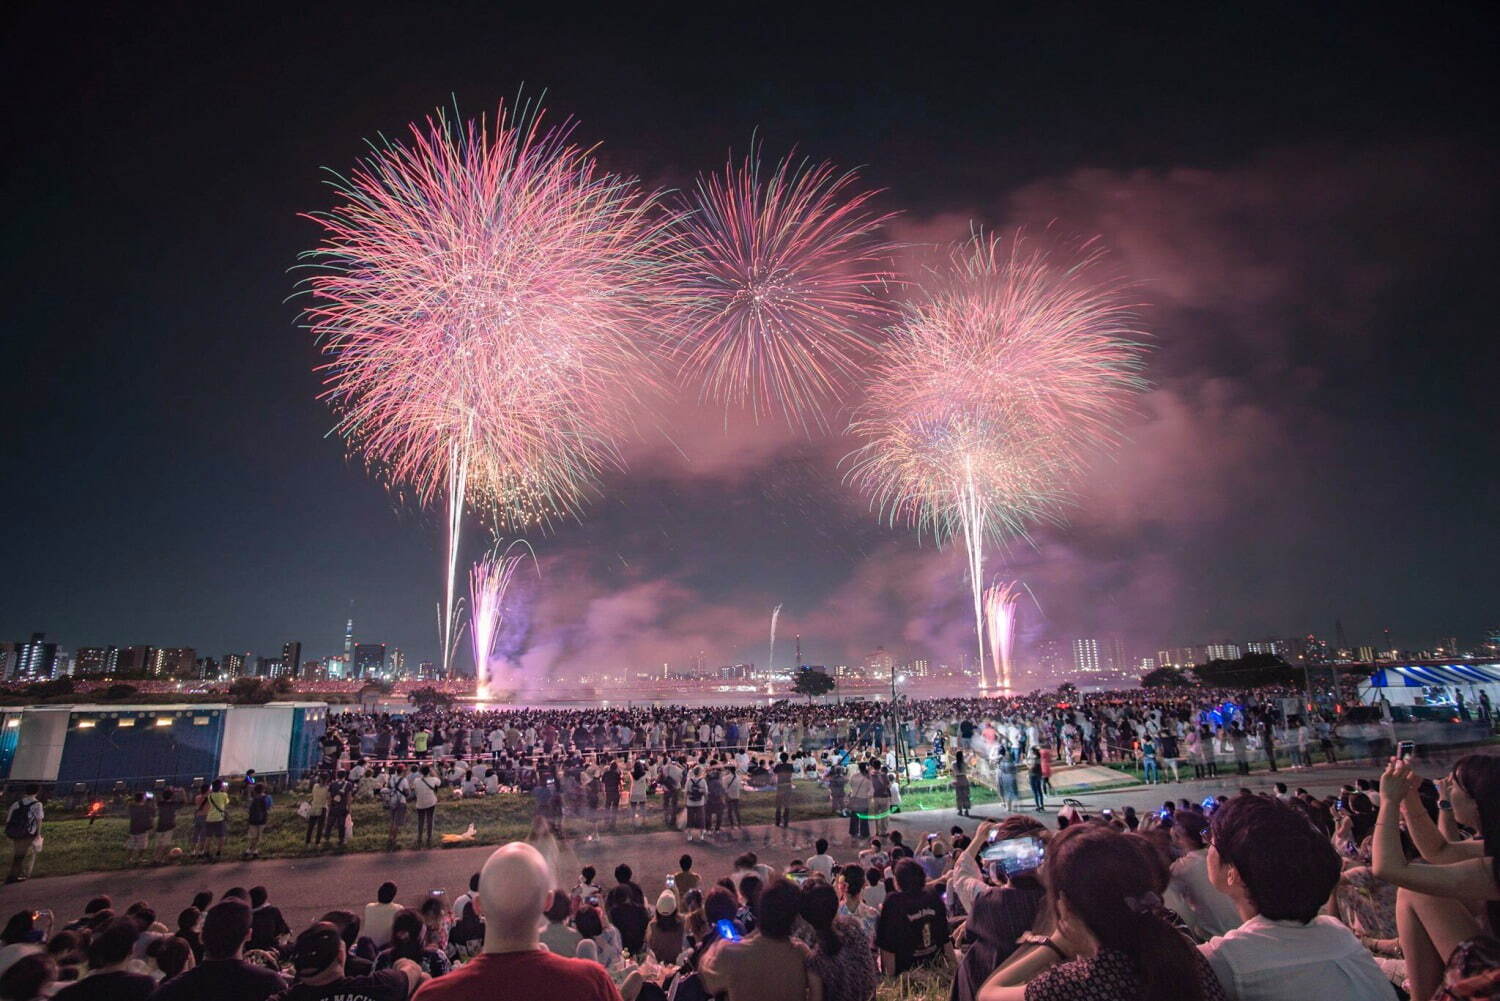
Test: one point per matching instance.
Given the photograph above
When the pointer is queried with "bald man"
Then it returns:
(514, 888)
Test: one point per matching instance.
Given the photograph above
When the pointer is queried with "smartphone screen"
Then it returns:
(727, 931)
(1406, 749)
(1016, 855)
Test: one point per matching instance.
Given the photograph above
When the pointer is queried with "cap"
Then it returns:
(666, 903)
(316, 949)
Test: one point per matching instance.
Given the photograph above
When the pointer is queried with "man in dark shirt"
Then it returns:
(629, 918)
(783, 772)
(222, 974)
(625, 876)
(913, 926)
(268, 929)
(167, 805)
(142, 818)
(318, 959)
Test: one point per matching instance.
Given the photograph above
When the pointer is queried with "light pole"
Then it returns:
(899, 737)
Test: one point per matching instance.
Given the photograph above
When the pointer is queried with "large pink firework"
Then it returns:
(1008, 373)
(479, 295)
(489, 579)
(778, 289)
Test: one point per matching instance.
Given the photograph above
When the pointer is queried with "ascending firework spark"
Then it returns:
(776, 286)
(1009, 370)
(488, 581)
(1000, 607)
(478, 294)
(771, 656)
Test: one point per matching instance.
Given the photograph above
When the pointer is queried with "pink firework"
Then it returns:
(1000, 606)
(1012, 368)
(489, 579)
(479, 294)
(778, 282)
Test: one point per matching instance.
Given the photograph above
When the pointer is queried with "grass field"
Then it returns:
(73, 844)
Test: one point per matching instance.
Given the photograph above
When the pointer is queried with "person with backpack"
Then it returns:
(23, 825)
(340, 790)
(215, 819)
(397, 795)
(257, 815)
(670, 781)
(697, 797)
(425, 786)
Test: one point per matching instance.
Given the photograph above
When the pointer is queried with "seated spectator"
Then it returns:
(223, 972)
(1279, 870)
(188, 922)
(842, 967)
(626, 878)
(467, 935)
(913, 926)
(21, 937)
(850, 886)
(1001, 907)
(170, 956)
(1436, 902)
(111, 977)
(685, 879)
(822, 863)
(875, 889)
(318, 961)
(593, 927)
(1206, 911)
(514, 886)
(29, 978)
(268, 929)
(66, 950)
(1110, 938)
(767, 965)
(359, 953)
(380, 914)
(664, 936)
(558, 936)
(408, 941)
(629, 917)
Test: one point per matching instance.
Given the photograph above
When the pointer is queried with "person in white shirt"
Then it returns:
(1279, 870)
(822, 862)
(379, 916)
(1205, 910)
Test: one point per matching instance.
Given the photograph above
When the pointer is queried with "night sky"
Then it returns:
(1306, 196)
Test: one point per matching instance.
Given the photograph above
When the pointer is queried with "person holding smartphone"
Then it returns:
(1001, 907)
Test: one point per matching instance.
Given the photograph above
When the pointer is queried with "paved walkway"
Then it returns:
(307, 888)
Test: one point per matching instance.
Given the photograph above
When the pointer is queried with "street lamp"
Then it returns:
(898, 736)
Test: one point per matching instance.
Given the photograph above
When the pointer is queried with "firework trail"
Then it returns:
(478, 295)
(1000, 607)
(771, 656)
(776, 284)
(1012, 367)
(488, 581)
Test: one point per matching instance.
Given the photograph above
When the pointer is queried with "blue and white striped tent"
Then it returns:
(1405, 683)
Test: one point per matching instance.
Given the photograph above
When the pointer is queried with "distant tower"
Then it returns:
(349, 637)
(799, 650)
(1341, 641)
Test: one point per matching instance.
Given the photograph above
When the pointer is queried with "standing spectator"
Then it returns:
(842, 968)
(142, 817)
(318, 816)
(397, 795)
(425, 785)
(215, 820)
(513, 887)
(257, 816)
(783, 772)
(380, 914)
(1111, 939)
(696, 794)
(962, 795)
(880, 797)
(1038, 779)
(768, 965)
(166, 822)
(339, 793)
(318, 960)
(734, 787)
(110, 975)
(223, 974)
(860, 790)
(1279, 870)
(23, 826)
(913, 927)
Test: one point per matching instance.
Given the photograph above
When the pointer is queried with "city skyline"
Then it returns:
(1317, 445)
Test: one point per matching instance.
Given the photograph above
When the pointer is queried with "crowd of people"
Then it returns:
(1387, 889)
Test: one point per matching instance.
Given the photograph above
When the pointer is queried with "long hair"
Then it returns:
(407, 933)
(1479, 775)
(1107, 882)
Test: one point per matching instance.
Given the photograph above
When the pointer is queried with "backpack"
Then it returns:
(18, 823)
(260, 808)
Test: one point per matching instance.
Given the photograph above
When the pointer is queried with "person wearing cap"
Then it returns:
(318, 960)
(514, 887)
(664, 934)
(223, 973)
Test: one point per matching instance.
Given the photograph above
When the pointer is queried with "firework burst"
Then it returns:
(489, 579)
(777, 283)
(479, 294)
(1010, 370)
(1001, 601)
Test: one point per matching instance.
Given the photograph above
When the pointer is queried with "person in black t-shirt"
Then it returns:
(913, 926)
(109, 957)
(318, 958)
(268, 929)
(222, 974)
(783, 772)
